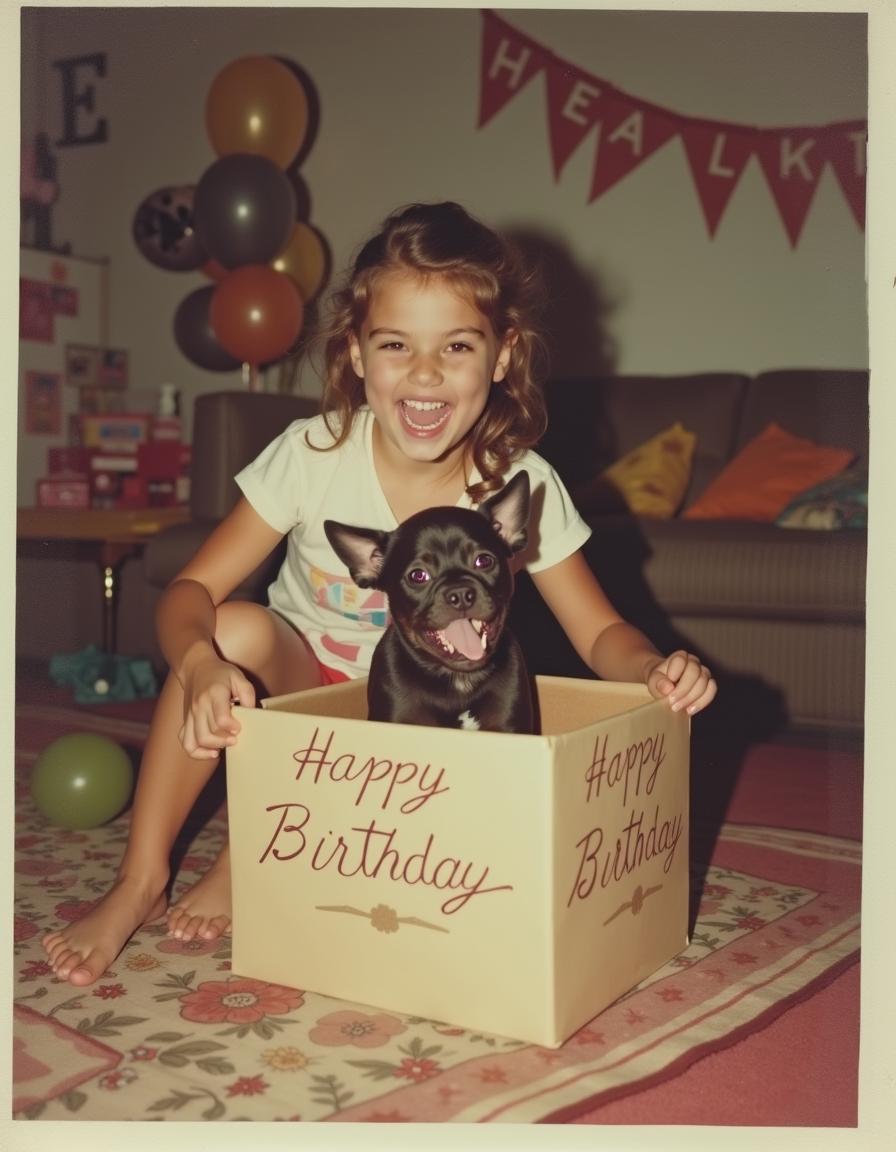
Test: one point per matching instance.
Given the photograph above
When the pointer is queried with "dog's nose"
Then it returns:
(460, 596)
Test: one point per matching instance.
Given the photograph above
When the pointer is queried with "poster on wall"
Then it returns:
(627, 130)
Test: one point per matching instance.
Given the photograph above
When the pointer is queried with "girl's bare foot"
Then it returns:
(205, 909)
(81, 952)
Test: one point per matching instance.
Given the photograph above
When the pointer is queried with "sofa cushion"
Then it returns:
(841, 502)
(653, 478)
(593, 422)
(766, 474)
(829, 406)
(735, 568)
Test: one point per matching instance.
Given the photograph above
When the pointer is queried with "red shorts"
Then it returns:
(330, 675)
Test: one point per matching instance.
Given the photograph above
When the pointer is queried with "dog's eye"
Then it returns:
(484, 560)
(417, 576)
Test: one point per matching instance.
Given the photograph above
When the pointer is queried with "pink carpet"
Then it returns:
(755, 1023)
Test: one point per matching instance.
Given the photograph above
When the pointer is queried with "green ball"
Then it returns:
(82, 780)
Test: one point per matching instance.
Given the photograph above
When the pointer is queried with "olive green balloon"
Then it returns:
(82, 780)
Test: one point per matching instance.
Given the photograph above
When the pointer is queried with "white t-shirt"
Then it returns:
(295, 488)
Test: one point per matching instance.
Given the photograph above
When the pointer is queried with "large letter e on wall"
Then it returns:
(78, 97)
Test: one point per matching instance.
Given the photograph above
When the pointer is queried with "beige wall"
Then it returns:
(398, 92)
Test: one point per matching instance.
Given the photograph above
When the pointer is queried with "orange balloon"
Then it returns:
(304, 260)
(257, 105)
(256, 314)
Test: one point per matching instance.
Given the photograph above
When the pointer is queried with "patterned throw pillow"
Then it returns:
(841, 502)
(652, 479)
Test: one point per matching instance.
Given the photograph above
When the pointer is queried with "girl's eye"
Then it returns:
(459, 346)
(417, 576)
(484, 561)
(393, 345)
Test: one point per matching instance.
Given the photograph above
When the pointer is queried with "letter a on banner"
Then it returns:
(509, 61)
(630, 132)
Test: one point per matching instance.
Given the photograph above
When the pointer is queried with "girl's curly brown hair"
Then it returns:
(445, 240)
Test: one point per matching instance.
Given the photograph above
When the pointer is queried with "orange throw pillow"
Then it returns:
(765, 476)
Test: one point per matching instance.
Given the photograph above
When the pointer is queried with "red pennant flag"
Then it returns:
(792, 162)
(717, 155)
(630, 132)
(509, 61)
(575, 100)
(844, 148)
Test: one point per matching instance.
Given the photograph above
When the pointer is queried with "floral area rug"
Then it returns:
(171, 1034)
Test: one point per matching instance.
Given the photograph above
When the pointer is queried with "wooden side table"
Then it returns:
(108, 537)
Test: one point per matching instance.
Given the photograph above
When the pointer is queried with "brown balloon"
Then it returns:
(257, 105)
(256, 314)
(304, 260)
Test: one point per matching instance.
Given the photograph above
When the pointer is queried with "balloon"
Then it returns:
(82, 780)
(257, 105)
(213, 270)
(194, 335)
(164, 230)
(245, 209)
(304, 259)
(256, 313)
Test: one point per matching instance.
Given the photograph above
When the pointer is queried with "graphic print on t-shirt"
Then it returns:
(367, 606)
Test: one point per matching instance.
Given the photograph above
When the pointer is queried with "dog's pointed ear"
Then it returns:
(508, 511)
(362, 550)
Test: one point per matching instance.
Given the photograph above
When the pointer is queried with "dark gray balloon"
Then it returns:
(245, 210)
(194, 335)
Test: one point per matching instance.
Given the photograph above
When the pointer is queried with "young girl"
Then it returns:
(430, 399)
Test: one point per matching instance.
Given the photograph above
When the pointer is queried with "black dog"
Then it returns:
(446, 659)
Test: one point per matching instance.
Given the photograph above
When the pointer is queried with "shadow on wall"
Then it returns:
(575, 307)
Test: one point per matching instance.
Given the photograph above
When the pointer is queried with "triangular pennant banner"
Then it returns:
(844, 147)
(509, 61)
(792, 162)
(575, 101)
(717, 157)
(629, 133)
(629, 130)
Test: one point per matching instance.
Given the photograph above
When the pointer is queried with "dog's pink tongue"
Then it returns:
(462, 635)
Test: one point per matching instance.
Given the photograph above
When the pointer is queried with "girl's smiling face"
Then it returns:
(428, 358)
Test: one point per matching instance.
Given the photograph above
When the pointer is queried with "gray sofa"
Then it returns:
(778, 613)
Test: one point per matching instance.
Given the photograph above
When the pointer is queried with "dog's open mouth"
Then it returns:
(463, 639)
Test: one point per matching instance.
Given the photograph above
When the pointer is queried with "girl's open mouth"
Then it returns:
(423, 417)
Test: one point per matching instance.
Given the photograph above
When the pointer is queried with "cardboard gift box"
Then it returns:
(515, 885)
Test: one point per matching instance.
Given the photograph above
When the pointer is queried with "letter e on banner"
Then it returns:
(574, 105)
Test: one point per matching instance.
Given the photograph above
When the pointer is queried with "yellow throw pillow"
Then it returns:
(653, 478)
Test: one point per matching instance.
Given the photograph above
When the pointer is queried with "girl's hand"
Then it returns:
(683, 681)
(209, 690)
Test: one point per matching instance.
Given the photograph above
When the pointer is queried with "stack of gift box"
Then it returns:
(118, 460)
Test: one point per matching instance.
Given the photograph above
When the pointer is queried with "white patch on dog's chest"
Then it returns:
(468, 721)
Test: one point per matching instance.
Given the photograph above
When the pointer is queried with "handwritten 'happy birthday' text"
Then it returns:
(372, 851)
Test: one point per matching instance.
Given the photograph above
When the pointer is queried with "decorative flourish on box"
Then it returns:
(635, 904)
(382, 917)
